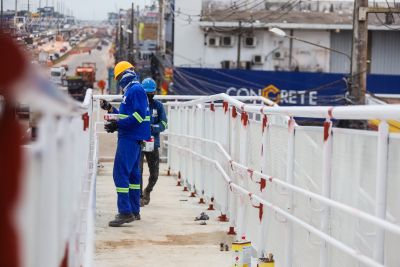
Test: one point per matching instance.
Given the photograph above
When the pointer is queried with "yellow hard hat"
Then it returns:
(121, 67)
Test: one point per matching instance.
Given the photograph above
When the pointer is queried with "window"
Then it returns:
(55, 74)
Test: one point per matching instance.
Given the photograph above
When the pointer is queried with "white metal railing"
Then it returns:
(313, 196)
(165, 99)
(56, 208)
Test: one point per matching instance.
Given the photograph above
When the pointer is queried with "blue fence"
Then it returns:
(286, 88)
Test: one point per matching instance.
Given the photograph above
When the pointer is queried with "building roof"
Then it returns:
(292, 19)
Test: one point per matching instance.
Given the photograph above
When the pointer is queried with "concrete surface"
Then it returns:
(166, 236)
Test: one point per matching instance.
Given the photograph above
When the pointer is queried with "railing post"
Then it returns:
(169, 139)
(326, 189)
(381, 189)
(264, 163)
(243, 160)
(290, 179)
(232, 148)
(98, 110)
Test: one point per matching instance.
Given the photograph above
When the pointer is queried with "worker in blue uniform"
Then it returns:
(158, 123)
(133, 127)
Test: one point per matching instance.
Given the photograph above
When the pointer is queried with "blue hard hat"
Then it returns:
(149, 85)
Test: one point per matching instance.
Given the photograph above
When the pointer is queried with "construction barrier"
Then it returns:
(311, 196)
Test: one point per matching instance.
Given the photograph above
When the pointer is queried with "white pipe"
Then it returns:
(381, 189)
(290, 180)
(326, 189)
(334, 242)
(190, 97)
(364, 112)
(345, 208)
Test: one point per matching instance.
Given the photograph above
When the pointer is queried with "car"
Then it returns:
(63, 49)
(57, 75)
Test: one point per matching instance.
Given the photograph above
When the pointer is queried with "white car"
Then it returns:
(57, 75)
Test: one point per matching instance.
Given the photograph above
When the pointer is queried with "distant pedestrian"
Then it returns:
(158, 123)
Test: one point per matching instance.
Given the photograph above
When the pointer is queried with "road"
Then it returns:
(100, 57)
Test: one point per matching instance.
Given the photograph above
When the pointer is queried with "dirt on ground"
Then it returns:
(167, 234)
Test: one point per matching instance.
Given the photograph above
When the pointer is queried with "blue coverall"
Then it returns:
(133, 128)
(158, 125)
(158, 121)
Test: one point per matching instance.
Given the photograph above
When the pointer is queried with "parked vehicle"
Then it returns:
(76, 87)
(57, 75)
(87, 72)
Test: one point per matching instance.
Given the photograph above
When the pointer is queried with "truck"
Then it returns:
(84, 78)
(76, 87)
(57, 75)
(87, 72)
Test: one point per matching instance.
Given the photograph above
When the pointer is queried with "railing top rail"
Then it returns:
(190, 97)
(361, 112)
(46, 97)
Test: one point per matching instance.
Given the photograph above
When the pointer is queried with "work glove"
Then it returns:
(104, 104)
(111, 126)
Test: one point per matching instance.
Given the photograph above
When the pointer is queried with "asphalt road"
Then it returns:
(100, 57)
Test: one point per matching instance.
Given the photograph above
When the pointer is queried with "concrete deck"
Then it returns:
(166, 236)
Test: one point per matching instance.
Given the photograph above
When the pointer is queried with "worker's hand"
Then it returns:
(104, 104)
(111, 126)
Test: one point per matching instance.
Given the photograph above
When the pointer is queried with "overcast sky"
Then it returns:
(83, 9)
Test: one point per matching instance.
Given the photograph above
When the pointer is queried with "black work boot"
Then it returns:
(141, 202)
(145, 198)
(120, 219)
(137, 217)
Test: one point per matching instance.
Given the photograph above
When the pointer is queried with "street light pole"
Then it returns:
(239, 45)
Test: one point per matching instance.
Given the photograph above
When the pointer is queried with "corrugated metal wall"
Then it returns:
(340, 41)
(385, 53)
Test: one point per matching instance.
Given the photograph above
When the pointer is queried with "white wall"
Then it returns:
(191, 50)
(188, 46)
(311, 58)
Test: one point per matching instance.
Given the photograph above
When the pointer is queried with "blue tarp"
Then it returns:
(287, 88)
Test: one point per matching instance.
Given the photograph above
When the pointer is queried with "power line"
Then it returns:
(386, 25)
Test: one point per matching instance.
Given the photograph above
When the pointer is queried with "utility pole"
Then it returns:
(239, 46)
(359, 54)
(116, 53)
(1, 15)
(121, 42)
(16, 8)
(131, 35)
(161, 32)
(137, 25)
(29, 6)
